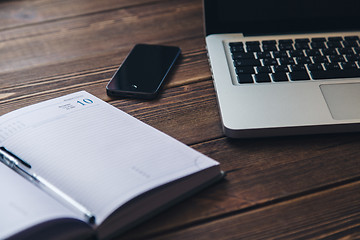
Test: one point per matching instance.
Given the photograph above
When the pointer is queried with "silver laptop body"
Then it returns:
(275, 108)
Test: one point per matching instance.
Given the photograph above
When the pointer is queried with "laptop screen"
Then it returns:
(259, 17)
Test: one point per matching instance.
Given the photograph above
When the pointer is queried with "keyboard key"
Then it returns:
(286, 41)
(243, 70)
(303, 60)
(296, 68)
(302, 40)
(301, 46)
(317, 45)
(336, 58)
(296, 53)
(246, 62)
(348, 65)
(352, 57)
(329, 51)
(352, 38)
(269, 47)
(286, 46)
(315, 67)
(243, 55)
(236, 47)
(299, 75)
(333, 44)
(331, 74)
(281, 69)
(312, 52)
(332, 66)
(269, 42)
(320, 59)
(347, 50)
(253, 48)
(279, 77)
(262, 77)
(286, 61)
(335, 38)
(318, 39)
(245, 78)
(252, 43)
(236, 44)
(350, 43)
(269, 62)
(261, 55)
(264, 69)
(280, 54)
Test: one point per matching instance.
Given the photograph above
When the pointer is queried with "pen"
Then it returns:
(12, 162)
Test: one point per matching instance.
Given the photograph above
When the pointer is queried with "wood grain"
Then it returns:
(332, 214)
(15, 14)
(256, 180)
(105, 32)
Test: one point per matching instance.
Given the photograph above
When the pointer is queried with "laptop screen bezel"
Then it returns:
(213, 25)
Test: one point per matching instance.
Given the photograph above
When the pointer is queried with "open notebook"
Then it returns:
(77, 166)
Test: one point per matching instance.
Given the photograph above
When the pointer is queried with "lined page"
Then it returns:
(23, 205)
(97, 154)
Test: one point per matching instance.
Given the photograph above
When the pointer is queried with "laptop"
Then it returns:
(285, 67)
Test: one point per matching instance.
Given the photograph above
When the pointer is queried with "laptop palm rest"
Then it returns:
(343, 100)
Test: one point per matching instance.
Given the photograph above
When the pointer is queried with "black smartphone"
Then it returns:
(143, 72)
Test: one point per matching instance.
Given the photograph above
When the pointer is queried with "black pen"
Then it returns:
(2, 149)
(15, 163)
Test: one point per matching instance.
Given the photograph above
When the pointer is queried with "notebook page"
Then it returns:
(23, 205)
(95, 153)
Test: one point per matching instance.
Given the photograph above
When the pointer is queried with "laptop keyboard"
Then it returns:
(296, 59)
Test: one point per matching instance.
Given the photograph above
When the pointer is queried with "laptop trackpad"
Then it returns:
(343, 100)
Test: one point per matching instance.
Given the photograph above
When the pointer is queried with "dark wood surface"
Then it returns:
(300, 187)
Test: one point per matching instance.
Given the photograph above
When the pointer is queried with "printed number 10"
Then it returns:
(85, 101)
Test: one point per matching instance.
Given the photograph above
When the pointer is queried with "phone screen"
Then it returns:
(143, 71)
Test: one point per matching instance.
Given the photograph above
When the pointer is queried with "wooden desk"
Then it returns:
(287, 188)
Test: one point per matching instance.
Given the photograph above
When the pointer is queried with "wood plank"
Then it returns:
(92, 73)
(176, 112)
(188, 113)
(191, 67)
(262, 171)
(15, 14)
(333, 214)
(70, 39)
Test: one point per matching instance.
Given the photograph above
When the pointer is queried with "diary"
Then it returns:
(77, 167)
